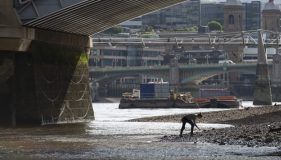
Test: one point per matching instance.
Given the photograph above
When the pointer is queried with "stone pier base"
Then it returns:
(47, 83)
(276, 93)
(262, 91)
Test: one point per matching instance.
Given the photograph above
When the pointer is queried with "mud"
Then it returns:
(103, 139)
(254, 127)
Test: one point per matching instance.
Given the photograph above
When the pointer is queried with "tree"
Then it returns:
(148, 29)
(214, 26)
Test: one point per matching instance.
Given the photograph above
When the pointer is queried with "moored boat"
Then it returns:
(181, 101)
(159, 95)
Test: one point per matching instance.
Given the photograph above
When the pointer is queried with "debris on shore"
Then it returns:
(254, 127)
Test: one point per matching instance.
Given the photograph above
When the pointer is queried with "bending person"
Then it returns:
(190, 118)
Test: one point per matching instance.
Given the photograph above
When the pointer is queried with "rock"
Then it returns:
(250, 145)
(268, 140)
(222, 143)
(248, 138)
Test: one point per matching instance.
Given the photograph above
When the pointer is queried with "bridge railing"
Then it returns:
(234, 38)
(105, 69)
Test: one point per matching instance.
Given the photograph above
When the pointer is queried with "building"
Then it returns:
(253, 15)
(271, 15)
(215, 11)
(212, 11)
(134, 24)
(182, 15)
(234, 16)
(124, 57)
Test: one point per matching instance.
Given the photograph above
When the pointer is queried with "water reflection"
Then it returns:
(143, 128)
(110, 120)
(250, 104)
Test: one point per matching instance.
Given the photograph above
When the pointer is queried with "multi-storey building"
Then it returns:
(253, 15)
(185, 14)
(125, 57)
(211, 12)
(215, 11)
(129, 56)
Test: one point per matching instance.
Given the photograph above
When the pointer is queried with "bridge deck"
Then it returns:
(92, 16)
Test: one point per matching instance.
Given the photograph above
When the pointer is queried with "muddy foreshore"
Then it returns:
(68, 142)
(260, 126)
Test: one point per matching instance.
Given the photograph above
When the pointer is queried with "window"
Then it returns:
(231, 19)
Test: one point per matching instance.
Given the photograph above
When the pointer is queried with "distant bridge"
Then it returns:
(193, 73)
(217, 40)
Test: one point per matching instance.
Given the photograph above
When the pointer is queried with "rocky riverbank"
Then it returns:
(260, 126)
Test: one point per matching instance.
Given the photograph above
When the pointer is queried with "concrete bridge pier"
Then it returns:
(45, 80)
(43, 74)
(276, 78)
(174, 74)
(262, 91)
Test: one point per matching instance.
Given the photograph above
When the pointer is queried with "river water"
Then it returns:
(110, 136)
(110, 120)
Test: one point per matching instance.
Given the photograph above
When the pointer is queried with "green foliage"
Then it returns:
(187, 29)
(148, 29)
(84, 58)
(149, 35)
(214, 26)
(114, 30)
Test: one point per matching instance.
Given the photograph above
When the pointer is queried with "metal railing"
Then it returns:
(231, 38)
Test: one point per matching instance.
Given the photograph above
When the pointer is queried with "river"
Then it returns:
(110, 136)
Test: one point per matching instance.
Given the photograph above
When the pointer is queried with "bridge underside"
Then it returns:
(92, 16)
(43, 64)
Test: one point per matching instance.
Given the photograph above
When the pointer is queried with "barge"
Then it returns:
(158, 95)
(215, 102)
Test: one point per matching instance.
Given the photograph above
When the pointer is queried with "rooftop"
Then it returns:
(233, 3)
(271, 6)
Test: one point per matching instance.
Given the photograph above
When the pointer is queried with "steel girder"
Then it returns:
(84, 17)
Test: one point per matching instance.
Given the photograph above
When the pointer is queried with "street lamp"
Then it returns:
(207, 57)
(189, 58)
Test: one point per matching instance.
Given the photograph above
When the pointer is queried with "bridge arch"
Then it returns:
(206, 75)
(193, 73)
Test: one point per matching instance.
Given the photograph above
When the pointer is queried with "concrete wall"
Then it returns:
(6, 86)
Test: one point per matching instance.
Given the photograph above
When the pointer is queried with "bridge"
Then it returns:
(233, 43)
(186, 40)
(44, 51)
(44, 55)
(192, 73)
